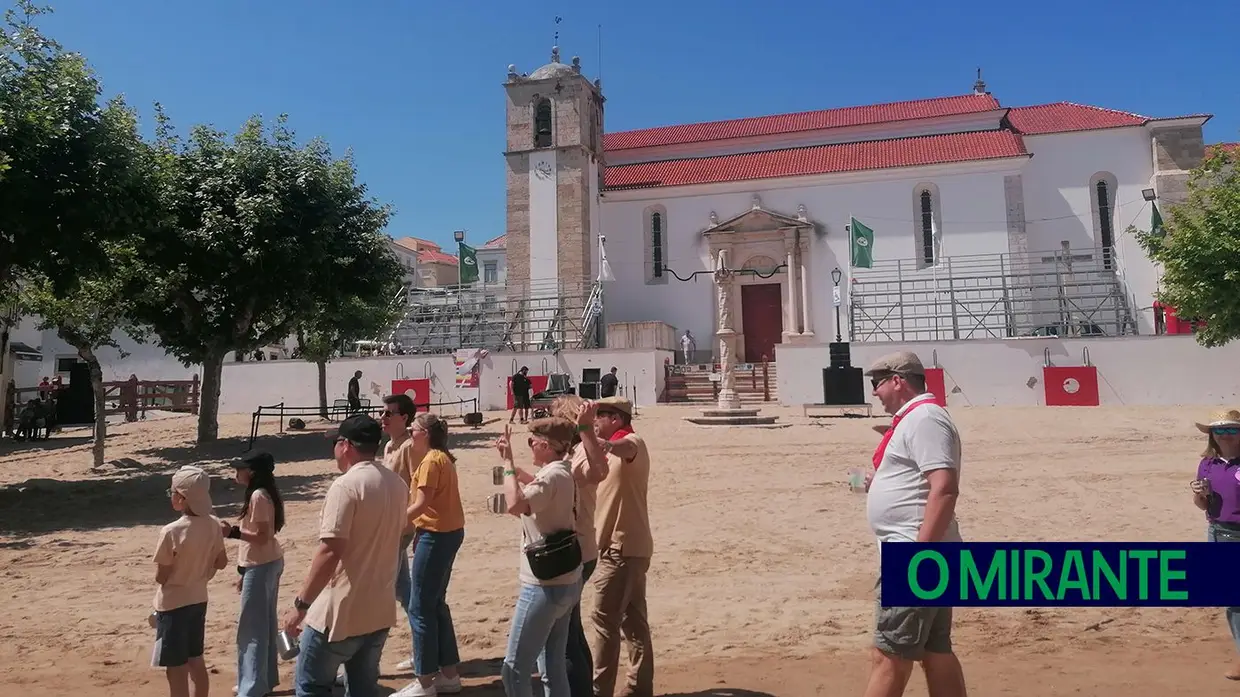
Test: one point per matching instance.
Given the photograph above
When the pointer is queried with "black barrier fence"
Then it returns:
(339, 411)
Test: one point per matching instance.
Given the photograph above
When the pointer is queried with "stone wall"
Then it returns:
(518, 227)
(1178, 148)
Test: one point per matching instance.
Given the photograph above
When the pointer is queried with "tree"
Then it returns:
(70, 183)
(258, 230)
(1200, 249)
(336, 323)
(87, 319)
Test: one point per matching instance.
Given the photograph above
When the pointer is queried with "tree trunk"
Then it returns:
(322, 366)
(101, 416)
(209, 399)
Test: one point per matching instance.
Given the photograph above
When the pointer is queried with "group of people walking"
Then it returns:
(391, 525)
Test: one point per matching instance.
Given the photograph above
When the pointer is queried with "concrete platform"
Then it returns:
(748, 418)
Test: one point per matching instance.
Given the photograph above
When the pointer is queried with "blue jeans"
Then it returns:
(430, 621)
(404, 586)
(319, 660)
(1218, 533)
(257, 672)
(580, 663)
(539, 635)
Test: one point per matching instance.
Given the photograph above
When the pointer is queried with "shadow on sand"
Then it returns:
(44, 505)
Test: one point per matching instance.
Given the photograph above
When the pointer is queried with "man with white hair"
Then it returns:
(912, 498)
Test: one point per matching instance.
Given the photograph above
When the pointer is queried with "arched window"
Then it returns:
(927, 224)
(1102, 190)
(656, 245)
(655, 227)
(542, 123)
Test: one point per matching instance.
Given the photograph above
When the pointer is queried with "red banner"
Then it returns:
(418, 390)
(538, 383)
(936, 384)
(1075, 386)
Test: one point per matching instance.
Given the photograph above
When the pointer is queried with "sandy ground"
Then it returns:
(761, 583)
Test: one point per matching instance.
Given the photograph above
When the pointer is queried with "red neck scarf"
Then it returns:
(882, 445)
(621, 432)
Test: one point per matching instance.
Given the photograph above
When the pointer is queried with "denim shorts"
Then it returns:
(179, 635)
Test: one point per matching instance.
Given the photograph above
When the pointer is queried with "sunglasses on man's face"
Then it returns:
(387, 414)
(1226, 431)
(878, 381)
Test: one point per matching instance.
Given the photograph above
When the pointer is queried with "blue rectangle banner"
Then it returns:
(1060, 574)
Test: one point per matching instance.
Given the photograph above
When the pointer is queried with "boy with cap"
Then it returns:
(346, 598)
(912, 498)
(189, 552)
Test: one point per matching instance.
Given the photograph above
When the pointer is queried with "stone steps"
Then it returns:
(696, 387)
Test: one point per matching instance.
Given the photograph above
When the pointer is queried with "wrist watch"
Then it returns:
(300, 604)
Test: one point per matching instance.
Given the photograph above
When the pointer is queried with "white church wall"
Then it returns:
(1150, 370)
(1059, 200)
(973, 215)
(246, 386)
(149, 361)
(544, 249)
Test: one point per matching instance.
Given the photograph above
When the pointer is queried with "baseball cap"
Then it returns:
(260, 461)
(195, 485)
(360, 429)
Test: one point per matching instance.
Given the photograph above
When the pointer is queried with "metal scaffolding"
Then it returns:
(527, 317)
(1067, 292)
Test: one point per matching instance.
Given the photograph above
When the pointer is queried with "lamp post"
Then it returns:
(836, 275)
(459, 237)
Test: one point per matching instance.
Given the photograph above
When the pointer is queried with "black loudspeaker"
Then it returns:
(840, 355)
(843, 386)
(587, 390)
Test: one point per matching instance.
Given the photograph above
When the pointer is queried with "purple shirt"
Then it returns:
(1224, 506)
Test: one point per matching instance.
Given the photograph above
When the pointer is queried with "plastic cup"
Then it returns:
(856, 480)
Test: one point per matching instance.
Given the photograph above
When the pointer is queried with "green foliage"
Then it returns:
(260, 234)
(75, 173)
(1200, 252)
(88, 316)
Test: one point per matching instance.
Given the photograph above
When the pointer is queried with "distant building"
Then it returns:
(431, 266)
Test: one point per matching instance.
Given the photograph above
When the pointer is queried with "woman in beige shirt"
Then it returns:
(260, 562)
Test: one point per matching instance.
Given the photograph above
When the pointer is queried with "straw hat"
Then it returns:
(1222, 418)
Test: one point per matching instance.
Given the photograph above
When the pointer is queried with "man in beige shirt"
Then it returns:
(346, 600)
(622, 523)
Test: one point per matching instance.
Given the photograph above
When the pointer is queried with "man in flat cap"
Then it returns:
(912, 498)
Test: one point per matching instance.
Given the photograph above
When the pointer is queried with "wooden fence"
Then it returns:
(133, 397)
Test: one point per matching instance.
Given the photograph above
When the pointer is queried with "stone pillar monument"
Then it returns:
(728, 399)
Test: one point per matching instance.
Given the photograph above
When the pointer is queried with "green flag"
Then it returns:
(1156, 222)
(862, 244)
(467, 264)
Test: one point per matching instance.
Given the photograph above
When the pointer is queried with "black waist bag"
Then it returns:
(558, 554)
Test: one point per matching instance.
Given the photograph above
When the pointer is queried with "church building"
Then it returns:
(945, 218)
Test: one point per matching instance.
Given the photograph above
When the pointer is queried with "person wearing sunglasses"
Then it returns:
(550, 572)
(345, 601)
(401, 454)
(912, 498)
(1216, 490)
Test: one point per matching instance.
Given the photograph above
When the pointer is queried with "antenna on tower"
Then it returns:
(556, 42)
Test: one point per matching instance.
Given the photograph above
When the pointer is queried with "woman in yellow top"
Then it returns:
(439, 519)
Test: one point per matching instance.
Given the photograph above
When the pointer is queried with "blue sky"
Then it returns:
(414, 88)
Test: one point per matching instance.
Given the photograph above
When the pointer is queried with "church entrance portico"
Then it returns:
(770, 251)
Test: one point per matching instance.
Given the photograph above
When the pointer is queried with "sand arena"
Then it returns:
(762, 579)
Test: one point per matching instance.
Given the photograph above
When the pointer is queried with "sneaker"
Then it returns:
(415, 689)
(340, 677)
(447, 686)
(405, 665)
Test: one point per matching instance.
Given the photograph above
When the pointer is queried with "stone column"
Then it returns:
(807, 326)
(790, 312)
(728, 399)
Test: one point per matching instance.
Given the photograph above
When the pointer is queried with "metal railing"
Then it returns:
(517, 317)
(1066, 292)
(337, 412)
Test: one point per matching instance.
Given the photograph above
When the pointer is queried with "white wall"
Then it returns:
(1154, 370)
(249, 385)
(499, 257)
(544, 216)
(973, 213)
(149, 361)
(1058, 199)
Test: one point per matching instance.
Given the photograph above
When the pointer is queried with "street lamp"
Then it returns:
(836, 275)
(459, 235)
(1148, 194)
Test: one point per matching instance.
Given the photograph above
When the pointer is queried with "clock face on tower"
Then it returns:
(543, 170)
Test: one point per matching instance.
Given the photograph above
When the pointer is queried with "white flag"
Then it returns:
(604, 268)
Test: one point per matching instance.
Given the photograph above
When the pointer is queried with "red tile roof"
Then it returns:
(497, 243)
(821, 159)
(1224, 147)
(434, 256)
(803, 121)
(1063, 117)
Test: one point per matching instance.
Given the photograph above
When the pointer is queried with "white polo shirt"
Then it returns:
(925, 440)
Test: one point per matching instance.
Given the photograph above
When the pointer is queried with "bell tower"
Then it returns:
(554, 157)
